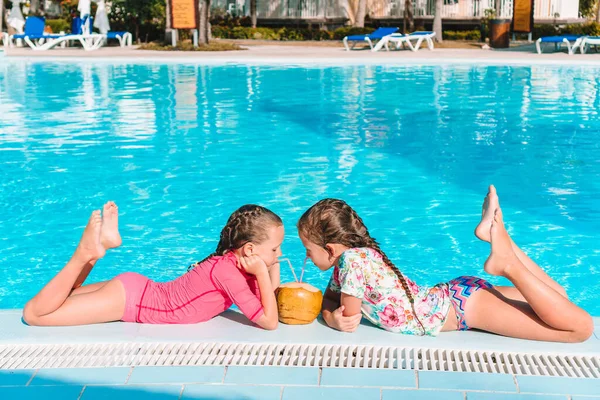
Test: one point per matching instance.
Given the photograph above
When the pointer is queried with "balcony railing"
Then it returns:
(463, 9)
(308, 9)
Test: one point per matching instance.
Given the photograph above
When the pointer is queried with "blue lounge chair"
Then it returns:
(124, 38)
(379, 34)
(77, 23)
(88, 40)
(34, 32)
(558, 41)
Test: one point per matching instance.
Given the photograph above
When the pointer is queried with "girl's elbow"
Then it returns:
(270, 325)
(29, 317)
(273, 326)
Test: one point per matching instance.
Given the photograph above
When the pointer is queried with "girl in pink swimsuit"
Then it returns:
(244, 270)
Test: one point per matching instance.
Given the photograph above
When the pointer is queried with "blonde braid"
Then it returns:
(248, 223)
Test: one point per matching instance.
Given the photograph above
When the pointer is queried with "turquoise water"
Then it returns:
(179, 147)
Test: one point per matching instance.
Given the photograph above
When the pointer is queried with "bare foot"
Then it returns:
(90, 248)
(502, 255)
(110, 237)
(490, 203)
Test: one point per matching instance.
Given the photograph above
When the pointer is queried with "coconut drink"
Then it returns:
(298, 303)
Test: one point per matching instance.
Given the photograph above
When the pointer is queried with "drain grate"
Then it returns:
(384, 357)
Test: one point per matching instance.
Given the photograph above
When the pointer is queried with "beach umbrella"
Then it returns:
(15, 17)
(84, 7)
(101, 18)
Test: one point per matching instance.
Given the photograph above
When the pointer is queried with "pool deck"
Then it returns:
(276, 381)
(523, 55)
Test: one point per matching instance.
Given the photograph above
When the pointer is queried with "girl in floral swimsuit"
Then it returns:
(366, 283)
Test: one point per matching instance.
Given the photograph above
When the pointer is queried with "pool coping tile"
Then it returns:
(272, 375)
(166, 390)
(556, 385)
(467, 381)
(81, 376)
(363, 377)
(319, 392)
(177, 374)
(41, 391)
(422, 394)
(267, 392)
(21, 377)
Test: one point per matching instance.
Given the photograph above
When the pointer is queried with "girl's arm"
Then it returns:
(351, 305)
(255, 266)
(274, 275)
(336, 316)
(331, 302)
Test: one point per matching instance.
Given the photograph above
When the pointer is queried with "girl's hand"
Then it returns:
(344, 324)
(253, 264)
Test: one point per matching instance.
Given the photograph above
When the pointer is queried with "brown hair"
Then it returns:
(334, 221)
(249, 223)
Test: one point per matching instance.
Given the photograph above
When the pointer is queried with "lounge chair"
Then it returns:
(34, 34)
(125, 38)
(558, 41)
(588, 41)
(379, 34)
(400, 40)
(77, 25)
(89, 41)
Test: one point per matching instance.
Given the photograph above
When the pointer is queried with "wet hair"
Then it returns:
(249, 223)
(334, 221)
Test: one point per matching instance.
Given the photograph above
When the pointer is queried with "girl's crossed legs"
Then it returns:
(537, 307)
(63, 301)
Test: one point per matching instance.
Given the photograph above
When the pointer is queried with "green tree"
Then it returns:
(587, 7)
(135, 14)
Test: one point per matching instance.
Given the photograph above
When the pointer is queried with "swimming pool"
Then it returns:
(179, 147)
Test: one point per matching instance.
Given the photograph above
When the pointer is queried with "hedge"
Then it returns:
(590, 28)
(462, 35)
(58, 25)
(242, 32)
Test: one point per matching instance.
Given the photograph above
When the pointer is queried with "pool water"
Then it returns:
(412, 149)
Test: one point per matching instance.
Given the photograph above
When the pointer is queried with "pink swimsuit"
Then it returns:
(199, 295)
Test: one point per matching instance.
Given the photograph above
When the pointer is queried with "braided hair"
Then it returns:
(334, 221)
(249, 223)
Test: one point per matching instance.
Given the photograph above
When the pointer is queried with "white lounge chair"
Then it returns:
(588, 41)
(5, 39)
(89, 42)
(125, 38)
(400, 40)
(558, 41)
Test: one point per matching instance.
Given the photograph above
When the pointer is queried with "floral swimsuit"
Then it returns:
(361, 273)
